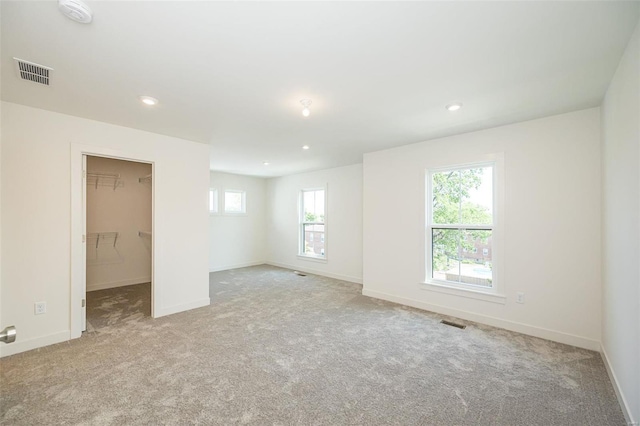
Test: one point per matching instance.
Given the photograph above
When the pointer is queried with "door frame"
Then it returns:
(78, 224)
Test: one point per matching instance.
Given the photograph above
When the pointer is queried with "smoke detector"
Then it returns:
(75, 10)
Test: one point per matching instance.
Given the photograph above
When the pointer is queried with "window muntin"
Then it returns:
(460, 226)
(312, 223)
(234, 201)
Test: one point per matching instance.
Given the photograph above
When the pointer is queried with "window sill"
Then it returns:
(312, 258)
(486, 296)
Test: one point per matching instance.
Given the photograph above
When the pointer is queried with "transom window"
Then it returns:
(460, 224)
(312, 223)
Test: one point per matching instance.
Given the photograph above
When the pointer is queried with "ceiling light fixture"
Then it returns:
(266, 163)
(454, 106)
(306, 103)
(305, 147)
(75, 10)
(148, 100)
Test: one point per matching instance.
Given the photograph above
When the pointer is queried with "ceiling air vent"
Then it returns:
(33, 72)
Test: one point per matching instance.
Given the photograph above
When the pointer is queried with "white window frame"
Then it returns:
(496, 293)
(243, 210)
(213, 196)
(301, 253)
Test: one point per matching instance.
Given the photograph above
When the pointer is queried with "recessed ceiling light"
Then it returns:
(148, 100)
(266, 163)
(306, 103)
(454, 106)
(305, 146)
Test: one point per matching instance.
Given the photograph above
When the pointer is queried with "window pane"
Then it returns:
(476, 207)
(313, 206)
(313, 239)
(463, 196)
(446, 254)
(233, 202)
(309, 203)
(462, 255)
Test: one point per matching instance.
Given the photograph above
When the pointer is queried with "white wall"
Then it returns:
(36, 218)
(343, 222)
(551, 225)
(621, 229)
(238, 240)
(126, 210)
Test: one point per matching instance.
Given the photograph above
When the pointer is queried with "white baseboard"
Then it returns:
(114, 284)
(236, 266)
(543, 333)
(35, 343)
(317, 272)
(183, 307)
(616, 387)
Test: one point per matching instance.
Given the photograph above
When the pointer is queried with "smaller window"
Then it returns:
(234, 201)
(485, 251)
(312, 223)
(213, 200)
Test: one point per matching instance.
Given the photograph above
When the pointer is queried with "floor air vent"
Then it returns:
(299, 273)
(453, 324)
(33, 72)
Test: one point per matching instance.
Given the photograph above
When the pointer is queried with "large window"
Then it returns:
(460, 225)
(312, 223)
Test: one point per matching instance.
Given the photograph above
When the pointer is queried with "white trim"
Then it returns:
(467, 291)
(317, 272)
(236, 266)
(37, 342)
(543, 333)
(115, 284)
(78, 260)
(183, 307)
(313, 258)
(616, 387)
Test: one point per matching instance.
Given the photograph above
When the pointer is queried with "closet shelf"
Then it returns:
(146, 178)
(111, 180)
(103, 236)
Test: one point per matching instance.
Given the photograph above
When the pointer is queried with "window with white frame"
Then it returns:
(234, 201)
(312, 223)
(460, 225)
(213, 200)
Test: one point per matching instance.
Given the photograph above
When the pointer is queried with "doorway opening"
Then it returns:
(118, 249)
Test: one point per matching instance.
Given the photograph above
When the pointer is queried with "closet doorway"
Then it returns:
(118, 222)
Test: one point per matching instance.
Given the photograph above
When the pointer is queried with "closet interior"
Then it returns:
(118, 244)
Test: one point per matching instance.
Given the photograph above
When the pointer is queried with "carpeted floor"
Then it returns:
(114, 306)
(277, 348)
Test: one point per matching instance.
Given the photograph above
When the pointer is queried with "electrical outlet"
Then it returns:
(40, 308)
(519, 297)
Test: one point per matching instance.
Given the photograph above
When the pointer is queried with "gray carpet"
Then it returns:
(112, 307)
(276, 348)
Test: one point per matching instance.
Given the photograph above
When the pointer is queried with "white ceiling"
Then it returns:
(231, 74)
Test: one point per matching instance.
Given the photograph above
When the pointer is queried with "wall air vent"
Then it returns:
(33, 72)
(453, 324)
